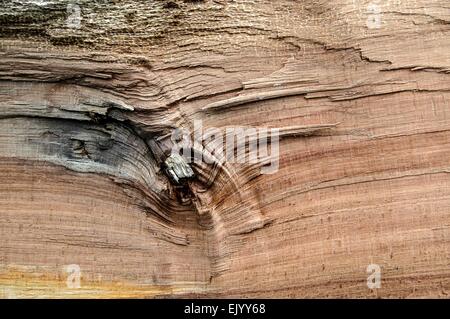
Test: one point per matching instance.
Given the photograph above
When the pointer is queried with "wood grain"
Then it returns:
(359, 91)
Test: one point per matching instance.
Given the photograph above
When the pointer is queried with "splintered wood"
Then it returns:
(347, 103)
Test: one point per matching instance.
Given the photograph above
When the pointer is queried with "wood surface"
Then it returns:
(360, 93)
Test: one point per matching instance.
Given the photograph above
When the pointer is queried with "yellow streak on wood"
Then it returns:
(19, 282)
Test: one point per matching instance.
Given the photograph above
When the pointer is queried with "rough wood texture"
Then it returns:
(359, 90)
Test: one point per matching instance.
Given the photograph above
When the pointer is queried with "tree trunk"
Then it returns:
(95, 96)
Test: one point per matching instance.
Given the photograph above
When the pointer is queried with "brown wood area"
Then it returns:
(91, 93)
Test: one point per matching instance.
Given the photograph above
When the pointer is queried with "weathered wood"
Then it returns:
(91, 93)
